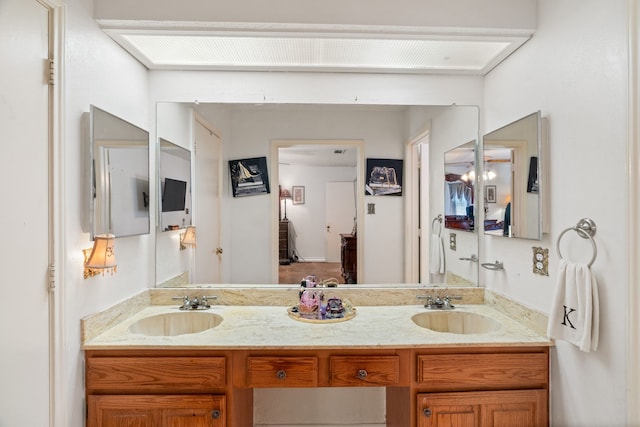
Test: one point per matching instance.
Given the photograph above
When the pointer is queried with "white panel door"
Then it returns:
(340, 211)
(24, 213)
(206, 207)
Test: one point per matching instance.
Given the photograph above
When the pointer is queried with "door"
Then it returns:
(156, 411)
(206, 214)
(340, 213)
(512, 408)
(24, 190)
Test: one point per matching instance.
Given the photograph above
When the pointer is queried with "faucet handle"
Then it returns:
(204, 301)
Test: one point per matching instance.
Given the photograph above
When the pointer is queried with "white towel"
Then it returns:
(575, 311)
(436, 254)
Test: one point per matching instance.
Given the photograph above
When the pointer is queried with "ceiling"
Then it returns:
(326, 51)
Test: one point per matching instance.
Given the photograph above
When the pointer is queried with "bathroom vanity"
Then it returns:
(497, 377)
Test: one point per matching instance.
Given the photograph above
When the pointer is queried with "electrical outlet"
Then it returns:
(371, 208)
(540, 261)
(452, 241)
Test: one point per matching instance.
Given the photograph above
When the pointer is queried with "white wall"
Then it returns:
(97, 72)
(575, 71)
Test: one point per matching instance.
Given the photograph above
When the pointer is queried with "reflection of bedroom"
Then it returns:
(328, 211)
(495, 216)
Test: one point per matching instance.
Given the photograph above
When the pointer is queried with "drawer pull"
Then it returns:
(215, 414)
(362, 374)
(426, 412)
(281, 374)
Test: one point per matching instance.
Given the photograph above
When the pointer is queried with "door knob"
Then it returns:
(218, 251)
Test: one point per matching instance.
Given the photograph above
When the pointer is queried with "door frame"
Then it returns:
(633, 247)
(56, 242)
(413, 231)
(276, 144)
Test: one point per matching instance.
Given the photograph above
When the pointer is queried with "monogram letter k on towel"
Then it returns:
(575, 313)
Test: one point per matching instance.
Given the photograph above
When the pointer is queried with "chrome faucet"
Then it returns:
(439, 303)
(195, 303)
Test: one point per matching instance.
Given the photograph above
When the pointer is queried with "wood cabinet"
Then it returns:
(512, 408)
(425, 387)
(506, 388)
(283, 242)
(156, 411)
(349, 257)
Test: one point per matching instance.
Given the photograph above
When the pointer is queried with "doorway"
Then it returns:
(417, 210)
(313, 168)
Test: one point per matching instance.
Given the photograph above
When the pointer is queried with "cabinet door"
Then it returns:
(513, 408)
(156, 411)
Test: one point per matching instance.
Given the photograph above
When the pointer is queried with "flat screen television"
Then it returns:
(173, 196)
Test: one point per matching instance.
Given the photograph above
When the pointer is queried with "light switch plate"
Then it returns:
(540, 261)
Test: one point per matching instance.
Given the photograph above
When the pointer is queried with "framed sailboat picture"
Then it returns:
(249, 177)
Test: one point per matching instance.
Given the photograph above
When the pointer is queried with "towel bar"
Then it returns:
(586, 229)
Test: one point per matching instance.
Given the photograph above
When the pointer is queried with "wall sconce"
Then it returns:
(101, 257)
(188, 237)
(285, 194)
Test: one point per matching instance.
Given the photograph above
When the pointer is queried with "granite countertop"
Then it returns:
(271, 328)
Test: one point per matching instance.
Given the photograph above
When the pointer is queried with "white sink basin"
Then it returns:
(456, 322)
(179, 323)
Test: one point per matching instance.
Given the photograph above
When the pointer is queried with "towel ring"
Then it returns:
(439, 220)
(586, 229)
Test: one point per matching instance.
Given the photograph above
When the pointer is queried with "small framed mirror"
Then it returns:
(511, 179)
(174, 176)
(459, 187)
(119, 176)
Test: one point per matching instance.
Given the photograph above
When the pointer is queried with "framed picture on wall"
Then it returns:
(384, 177)
(490, 193)
(249, 177)
(297, 196)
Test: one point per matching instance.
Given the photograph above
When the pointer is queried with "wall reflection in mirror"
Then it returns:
(512, 184)
(249, 225)
(119, 176)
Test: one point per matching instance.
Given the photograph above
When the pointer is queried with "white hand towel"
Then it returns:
(575, 311)
(436, 252)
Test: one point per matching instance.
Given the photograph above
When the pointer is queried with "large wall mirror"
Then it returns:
(511, 179)
(249, 226)
(119, 159)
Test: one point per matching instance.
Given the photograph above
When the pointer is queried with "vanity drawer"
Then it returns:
(270, 371)
(482, 371)
(154, 374)
(360, 371)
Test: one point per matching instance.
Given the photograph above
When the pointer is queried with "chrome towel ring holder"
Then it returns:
(586, 229)
(437, 219)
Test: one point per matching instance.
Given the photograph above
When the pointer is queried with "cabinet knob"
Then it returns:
(426, 412)
(219, 251)
(281, 374)
(215, 414)
(362, 374)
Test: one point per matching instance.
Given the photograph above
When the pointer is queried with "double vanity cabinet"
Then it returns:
(208, 382)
